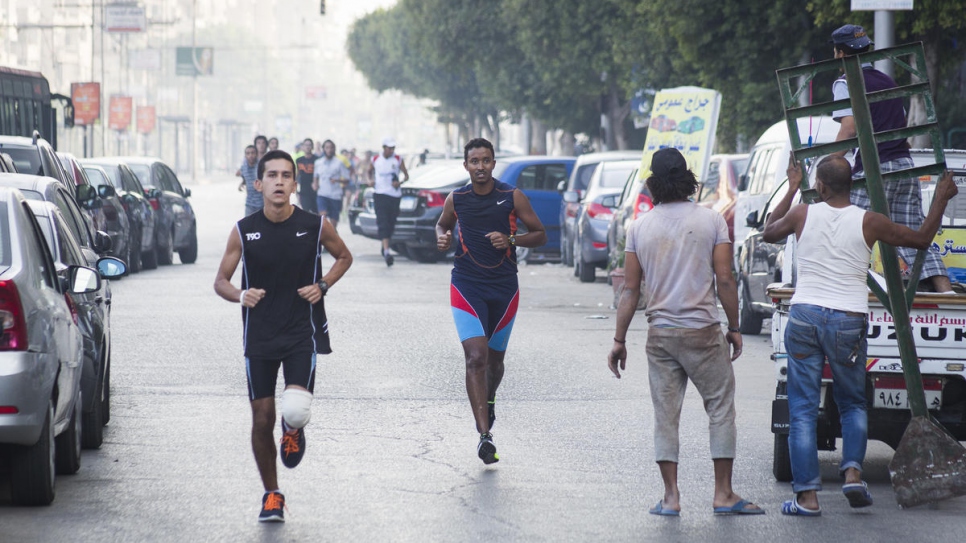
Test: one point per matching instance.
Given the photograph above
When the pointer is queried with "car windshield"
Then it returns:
(442, 177)
(97, 178)
(32, 195)
(26, 159)
(143, 173)
(583, 175)
(614, 177)
(4, 237)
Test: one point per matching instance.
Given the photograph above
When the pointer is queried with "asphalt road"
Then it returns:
(391, 448)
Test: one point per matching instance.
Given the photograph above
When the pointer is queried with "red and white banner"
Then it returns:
(146, 119)
(121, 111)
(87, 102)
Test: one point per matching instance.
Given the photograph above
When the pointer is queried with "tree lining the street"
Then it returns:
(563, 63)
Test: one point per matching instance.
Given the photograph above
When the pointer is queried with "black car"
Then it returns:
(43, 189)
(140, 212)
(115, 221)
(85, 193)
(176, 229)
(93, 310)
(759, 265)
(34, 156)
(421, 206)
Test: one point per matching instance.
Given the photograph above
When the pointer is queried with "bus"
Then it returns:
(26, 105)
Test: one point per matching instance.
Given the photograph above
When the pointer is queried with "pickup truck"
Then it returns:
(939, 329)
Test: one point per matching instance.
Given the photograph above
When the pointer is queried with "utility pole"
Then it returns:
(194, 95)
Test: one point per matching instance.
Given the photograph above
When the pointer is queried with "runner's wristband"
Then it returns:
(735, 330)
(241, 297)
(620, 341)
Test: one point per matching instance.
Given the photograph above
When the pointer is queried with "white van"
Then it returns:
(767, 164)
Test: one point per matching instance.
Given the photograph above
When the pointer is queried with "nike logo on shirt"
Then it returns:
(300, 234)
(500, 202)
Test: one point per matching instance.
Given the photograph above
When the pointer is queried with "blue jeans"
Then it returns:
(813, 334)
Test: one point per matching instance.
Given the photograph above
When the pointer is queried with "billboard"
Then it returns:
(119, 117)
(685, 118)
(194, 61)
(87, 102)
(881, 5)
(147, 118)
(124, 18)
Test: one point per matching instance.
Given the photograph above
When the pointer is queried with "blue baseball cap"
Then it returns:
(851, 36)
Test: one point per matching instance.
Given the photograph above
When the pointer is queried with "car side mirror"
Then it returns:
(83, 280)
(187, 193)
(152, 193)
(571, 197)
(106, 191)
(110, 267)
(752, 219)
(86, 194)
(102, 242)
(743, 182)
(609, 201)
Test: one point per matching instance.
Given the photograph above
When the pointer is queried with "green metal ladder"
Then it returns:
(866, 141)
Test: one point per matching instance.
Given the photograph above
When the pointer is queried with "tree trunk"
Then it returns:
(567, 142)
(538, 143)
(617, 113)
(917, 108)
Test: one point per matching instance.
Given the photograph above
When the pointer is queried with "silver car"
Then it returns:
(594, 214)
(41, 356)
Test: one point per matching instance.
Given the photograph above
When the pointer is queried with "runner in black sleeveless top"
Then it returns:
(484, 292)
(283, 313)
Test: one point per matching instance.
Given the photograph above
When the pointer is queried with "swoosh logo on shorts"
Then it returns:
(300, 234)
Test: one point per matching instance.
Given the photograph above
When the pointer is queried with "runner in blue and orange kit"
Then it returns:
(484, 292)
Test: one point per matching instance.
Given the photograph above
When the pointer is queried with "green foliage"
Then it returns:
(555, 59)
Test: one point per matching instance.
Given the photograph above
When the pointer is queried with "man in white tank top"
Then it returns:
(827, 319)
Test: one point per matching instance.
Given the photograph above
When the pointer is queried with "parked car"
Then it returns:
(419, 210)
(634, 201)
(767, 163)
(719, 189)
(540, 178)
(35, 156)
(175, 218)
(93, 311)
(6, 164)
(116, 223)
(41, 357)
(84, 193)
(594, 215)
(577, 183)
(140, 212)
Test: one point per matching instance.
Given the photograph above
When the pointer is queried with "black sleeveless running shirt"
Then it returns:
(282, 258)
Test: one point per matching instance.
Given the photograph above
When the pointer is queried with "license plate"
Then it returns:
(408, 203)
(890, 393)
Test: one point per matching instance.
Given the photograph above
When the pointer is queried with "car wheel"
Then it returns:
(149, 258)
(135, 252)
(587, 272)
(32, 468)
(427, 256)
(749, 322)
(781, 466)
(165, 250)
(106, 396)
(575, 258)
(67, 446)
(93, 434)
(566, 256)
(189, 254)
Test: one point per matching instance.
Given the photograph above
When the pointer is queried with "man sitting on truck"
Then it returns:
(828, 317)
(904, 195)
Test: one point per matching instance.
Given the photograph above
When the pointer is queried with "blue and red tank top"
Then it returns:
(477, 215)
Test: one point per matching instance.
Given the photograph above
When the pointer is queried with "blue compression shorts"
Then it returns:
(484, 310)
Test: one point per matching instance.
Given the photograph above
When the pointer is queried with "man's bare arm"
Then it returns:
(846, 131)
(336, 247)
(721, 259)
(229, 263)
(877, 227)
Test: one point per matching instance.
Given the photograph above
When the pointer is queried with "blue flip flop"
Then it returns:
(660, 510)
(739, 508)
(857, 494)
(791, 507)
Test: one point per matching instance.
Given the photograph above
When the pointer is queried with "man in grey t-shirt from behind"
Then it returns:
(682, 252)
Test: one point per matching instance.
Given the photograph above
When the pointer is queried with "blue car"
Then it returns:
(538, 177)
